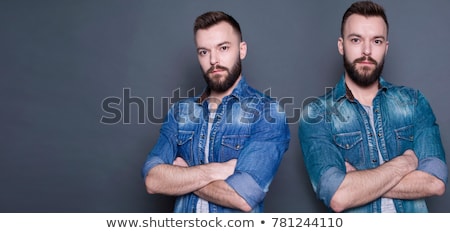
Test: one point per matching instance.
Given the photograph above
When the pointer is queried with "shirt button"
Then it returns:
(374, 160)
(347, 146)
(238, 146)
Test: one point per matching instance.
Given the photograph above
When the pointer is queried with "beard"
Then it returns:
(363, 77)
(220, 84)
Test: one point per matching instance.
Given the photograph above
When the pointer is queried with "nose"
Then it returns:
(213, 59)
(367, 50)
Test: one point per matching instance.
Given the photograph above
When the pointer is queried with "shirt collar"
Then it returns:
(237, 92)
(342, 91)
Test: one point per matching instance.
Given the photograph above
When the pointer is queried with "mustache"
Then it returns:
(210, 70)
(368, 58)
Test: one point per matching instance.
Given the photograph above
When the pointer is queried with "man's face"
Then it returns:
(219, 52)
(363, 46)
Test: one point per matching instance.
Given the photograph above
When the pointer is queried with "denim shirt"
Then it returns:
(248, 126)
(336, 128)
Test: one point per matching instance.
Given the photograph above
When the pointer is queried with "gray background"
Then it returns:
(60, 59)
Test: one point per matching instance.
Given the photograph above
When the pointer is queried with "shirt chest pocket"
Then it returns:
(404, 138)
(185, 145)
(351, 147)
(231, 147)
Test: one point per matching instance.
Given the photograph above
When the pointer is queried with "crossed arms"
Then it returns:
(397, 178)
(206, 181)
(418, 172)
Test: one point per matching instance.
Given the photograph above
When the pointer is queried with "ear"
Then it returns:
(242, 50)
(340, 45)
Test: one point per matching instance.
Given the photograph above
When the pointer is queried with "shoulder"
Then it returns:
(403, 94)
(251, 95)
(184, 106)
(186, 101)
(398, 90)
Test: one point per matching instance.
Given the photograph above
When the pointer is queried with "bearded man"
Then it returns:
(219, 152)
(368, 145)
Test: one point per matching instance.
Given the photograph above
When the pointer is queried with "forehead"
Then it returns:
(216, 34)
(362, 25)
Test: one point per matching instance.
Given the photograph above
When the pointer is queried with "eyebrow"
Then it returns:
(223, 43)
(358, 35)
(218, 45)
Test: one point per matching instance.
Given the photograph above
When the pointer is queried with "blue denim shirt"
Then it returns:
(248, 126)
(336, 128)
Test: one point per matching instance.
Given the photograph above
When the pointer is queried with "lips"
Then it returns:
(216, 69)
(366, 61)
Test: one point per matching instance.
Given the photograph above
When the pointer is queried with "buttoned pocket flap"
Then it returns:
(348, 140)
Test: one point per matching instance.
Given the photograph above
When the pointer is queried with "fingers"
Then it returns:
(180, 162)
(232, 162)
(349, 167)
(411, 158)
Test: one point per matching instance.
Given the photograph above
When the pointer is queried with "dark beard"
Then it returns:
(365, 78)
(217, 85)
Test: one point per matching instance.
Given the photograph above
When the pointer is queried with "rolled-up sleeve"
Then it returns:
(435, 167)
(260, 158)
(427, 141)
(324, 163)
(165, 149)
(247, 188)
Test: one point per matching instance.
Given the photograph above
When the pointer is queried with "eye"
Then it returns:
(224, 47)
(378, 42)
(355, 40)
(202, 52)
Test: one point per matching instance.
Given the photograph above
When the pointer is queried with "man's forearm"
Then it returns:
(361, 187)
(220, 193)
(415, 185)
(176, 180)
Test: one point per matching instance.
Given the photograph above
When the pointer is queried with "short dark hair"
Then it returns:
(212, 18)
(364, 8)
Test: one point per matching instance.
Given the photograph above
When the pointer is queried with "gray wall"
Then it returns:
(60, 60)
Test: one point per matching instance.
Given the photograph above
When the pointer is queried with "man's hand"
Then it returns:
(221, 170)
(180, 162)
(349, 167)
(411, 159)
(408, 157)
(226, 169)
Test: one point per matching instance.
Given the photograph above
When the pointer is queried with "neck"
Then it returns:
(364, 95)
